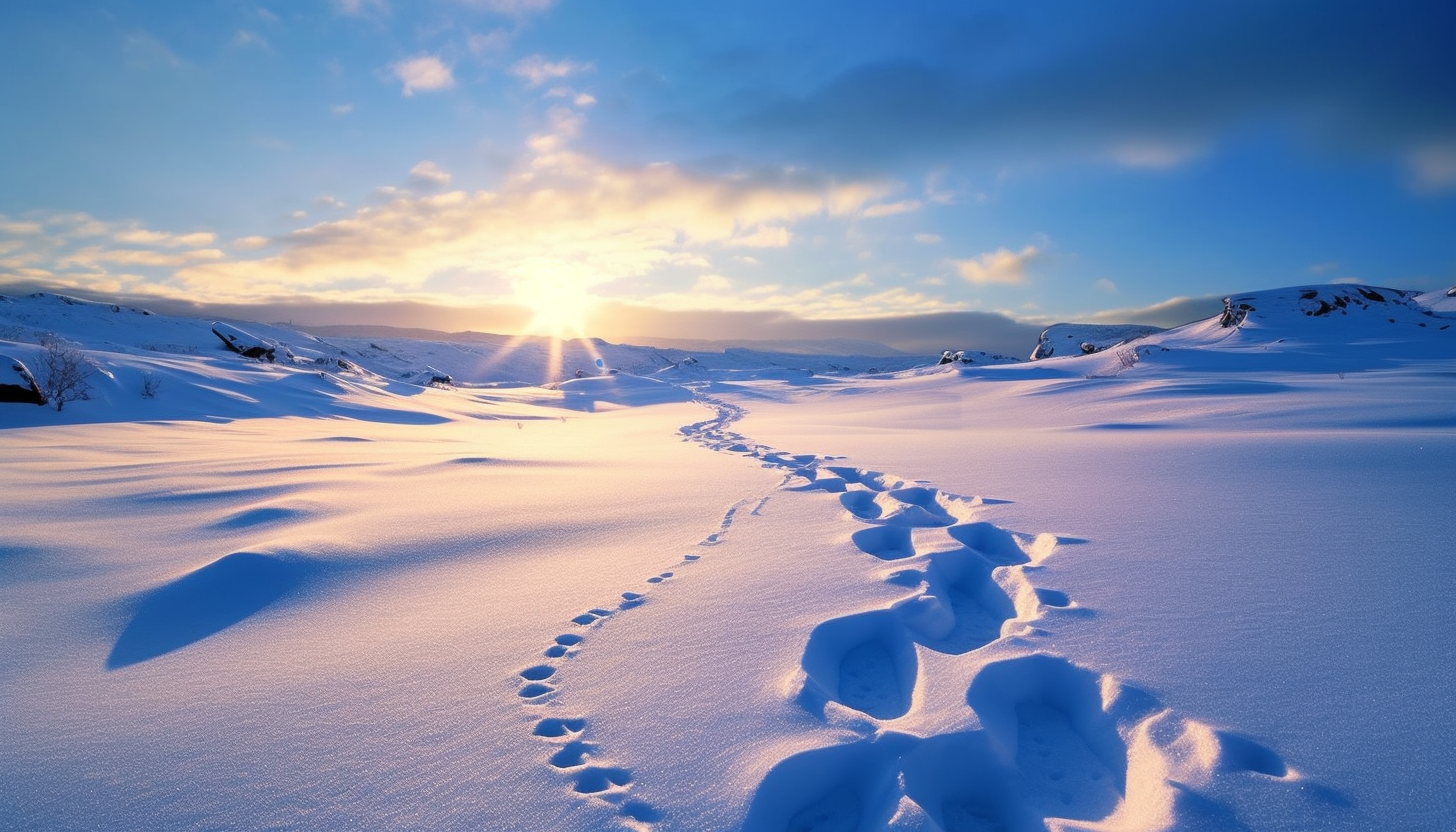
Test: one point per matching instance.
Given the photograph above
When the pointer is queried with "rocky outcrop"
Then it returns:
(1082, 339)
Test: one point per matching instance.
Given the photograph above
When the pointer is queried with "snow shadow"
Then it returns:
(203, 602)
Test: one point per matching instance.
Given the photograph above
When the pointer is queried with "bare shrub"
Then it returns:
(65, 371)
(151, 385)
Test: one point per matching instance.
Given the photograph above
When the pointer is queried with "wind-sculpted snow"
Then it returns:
(203, 602)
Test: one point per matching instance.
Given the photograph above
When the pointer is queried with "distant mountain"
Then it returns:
(792, 346)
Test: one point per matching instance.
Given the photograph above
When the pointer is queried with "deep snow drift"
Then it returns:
(1197, 580)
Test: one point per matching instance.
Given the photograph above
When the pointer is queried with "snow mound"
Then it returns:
(1441, 300)
(202, 603)
(621, 390)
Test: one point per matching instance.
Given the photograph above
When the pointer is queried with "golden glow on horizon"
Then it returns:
(560, 307)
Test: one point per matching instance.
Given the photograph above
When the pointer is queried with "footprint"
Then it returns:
(865, 661)
(535, 690)
(556, 727)
(961, 784)
(885, 542)
(962, 607)
(917, 507)
(1044, 716)
(657, 579)
(595, 780)
(993, 542)
(563, 645)
(873, 480)
(538, 673)
(641, 812)
(1053, 598)
(572, 755)
(841, 788)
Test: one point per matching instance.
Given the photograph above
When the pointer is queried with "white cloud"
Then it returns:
(562, 217)
(20, 227)
(763, 236)
(249, 40)
(584, 100)
(890, 209)
(355, 8)
(250, 243)
(511, 8)
(1154, 155)
(144, 49)
(490, 43)
(927, 239)
(428, 174)
(536, 70)
(514, 8)
(1433, 167)
(1323, 268)
(342, 109)
(1105, 285)
(999, 266)
(713, 283)
(137, 235)
(94, 257)
(425, 73)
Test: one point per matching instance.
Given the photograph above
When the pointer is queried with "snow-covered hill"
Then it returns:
(1194, 581)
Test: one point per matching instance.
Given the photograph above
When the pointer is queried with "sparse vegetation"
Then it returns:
(65, 371)
(151, 385)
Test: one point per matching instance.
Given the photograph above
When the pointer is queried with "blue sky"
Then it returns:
(719, 170)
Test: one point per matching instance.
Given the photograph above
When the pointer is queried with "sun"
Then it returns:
(561, 307)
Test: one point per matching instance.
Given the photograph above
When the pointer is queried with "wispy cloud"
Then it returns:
(890, 209)
(1154, 155)
(1433, 167)
(425, 73)
(763, 236)
(514, 8)
(356, 8)
(429, 175)
(247, 39)
(567, 216)
(137, 235)
(999, 266)
(536, 70)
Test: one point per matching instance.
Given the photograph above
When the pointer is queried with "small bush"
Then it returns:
(65, 371)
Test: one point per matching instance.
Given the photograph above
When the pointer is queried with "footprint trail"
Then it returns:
(1054, 743)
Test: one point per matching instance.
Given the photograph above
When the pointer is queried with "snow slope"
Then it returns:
(1194, 582)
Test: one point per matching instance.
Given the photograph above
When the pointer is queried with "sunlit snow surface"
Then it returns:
(1196, 581)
